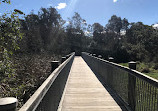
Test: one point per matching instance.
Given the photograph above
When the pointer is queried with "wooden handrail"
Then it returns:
(37, 97)
(135, 73)
(137, 90)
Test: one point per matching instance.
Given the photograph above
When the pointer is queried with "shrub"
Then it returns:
(145, 70)
(156, 66)
(30, 73)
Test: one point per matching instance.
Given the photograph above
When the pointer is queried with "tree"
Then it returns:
(125, 24)
(114, 24)
(97, 27)
(9, 36)
(140, 41)
(50, 23)
(97, 32)
(43, 30)
(32, 41)
(77, 22)
(75, 33)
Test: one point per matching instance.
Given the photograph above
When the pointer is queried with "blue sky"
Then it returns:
(93, 10)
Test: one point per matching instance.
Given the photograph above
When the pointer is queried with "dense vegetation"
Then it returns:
(28, 44)
(46, 31)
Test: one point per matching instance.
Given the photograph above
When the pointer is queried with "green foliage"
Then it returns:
(18, 11)
(146, 68)
(141, 42)
(43, 32)
(6, 68)
(124, 64)
(46, 33)
(97, 33)
(31, 71)
(75, 34)
(156, 66)
(9, 36)
(114, 24)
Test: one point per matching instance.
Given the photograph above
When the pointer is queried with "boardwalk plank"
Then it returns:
(84, 92)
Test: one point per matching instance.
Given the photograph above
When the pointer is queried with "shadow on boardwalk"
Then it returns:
(111, 91)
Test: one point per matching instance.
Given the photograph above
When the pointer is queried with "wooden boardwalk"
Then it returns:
(84, 92)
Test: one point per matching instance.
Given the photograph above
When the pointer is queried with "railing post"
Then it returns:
(8, 104)
(54, 65)
(67, 56)
(63, 59)
(94, 54)
(99, 56)
(132, 87)
(111, 59)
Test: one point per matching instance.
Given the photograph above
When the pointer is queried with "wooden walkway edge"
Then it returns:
(84, 92)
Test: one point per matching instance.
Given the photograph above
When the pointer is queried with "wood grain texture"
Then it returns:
(84, 92)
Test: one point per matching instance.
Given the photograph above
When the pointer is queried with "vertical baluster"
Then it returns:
(152, 99)
(145, 90)
(109, 74)
(123, 83)
(139, 95)
(149, 97)
(126, 82)
(157, 99)
(136, 95)
(119, 81)
(126, 78)
(131, 87)
(142, 95)
(141, 92)
(155, 92)
(116, 78)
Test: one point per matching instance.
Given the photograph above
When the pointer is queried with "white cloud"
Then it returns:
(61, 6)
(115, 1)
(155, 26)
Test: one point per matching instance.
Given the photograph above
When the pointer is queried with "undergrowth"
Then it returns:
(30, 73)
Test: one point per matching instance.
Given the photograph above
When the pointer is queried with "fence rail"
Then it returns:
(138, 91)
(48, 95)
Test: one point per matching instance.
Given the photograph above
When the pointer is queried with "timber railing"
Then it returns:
(48, 95)
(137, 91)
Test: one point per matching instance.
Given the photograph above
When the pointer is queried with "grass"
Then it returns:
(124, 64)
(146, 94)
(146, 68)
(153, 75)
